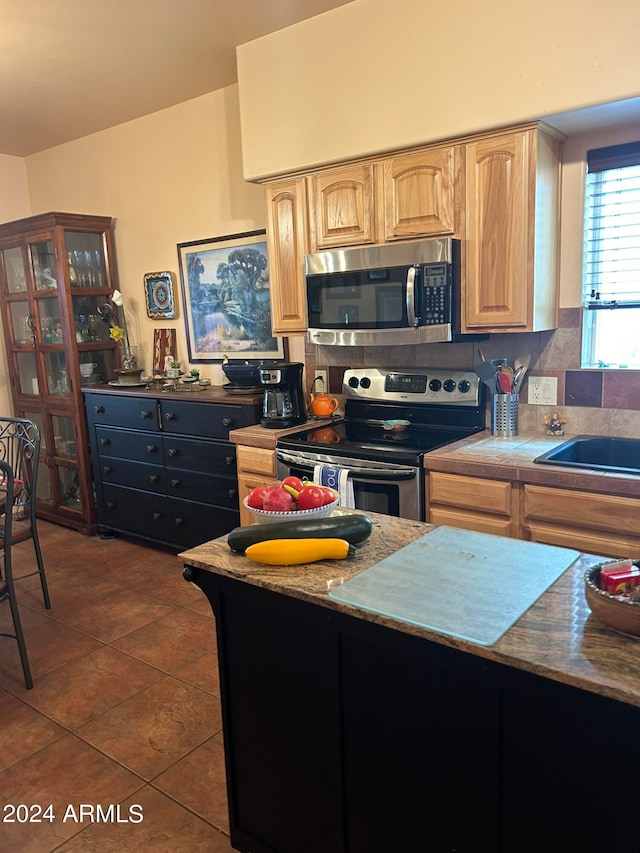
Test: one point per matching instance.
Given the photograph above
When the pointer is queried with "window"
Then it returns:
(611, 286)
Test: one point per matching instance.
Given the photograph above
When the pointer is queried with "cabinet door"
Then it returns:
(497, 277)
(342, 207)
(420, 193)
(279, 681)
(287, 245)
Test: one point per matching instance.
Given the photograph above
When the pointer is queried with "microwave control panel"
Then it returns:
(436, 294)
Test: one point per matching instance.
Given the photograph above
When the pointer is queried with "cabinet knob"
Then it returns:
(145, 414)
(111, 504)
(152, 448)
(169, 416)
(232, 493)
(226, 422)
(157, 516)
(175, 482)
(229, 459)
(105, 441)
(106, 469)
(177, 521)
(99, 410)
(153, 478)
(172, 451)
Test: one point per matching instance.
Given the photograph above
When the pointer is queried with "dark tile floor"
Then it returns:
(125, 707)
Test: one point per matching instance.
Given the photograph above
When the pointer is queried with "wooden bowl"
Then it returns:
(620, 614)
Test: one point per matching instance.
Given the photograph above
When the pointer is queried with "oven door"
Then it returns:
(383, 487)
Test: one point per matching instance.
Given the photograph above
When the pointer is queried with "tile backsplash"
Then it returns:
(595, 402)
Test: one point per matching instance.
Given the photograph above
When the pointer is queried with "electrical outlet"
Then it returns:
(323, 385)
(543, 390)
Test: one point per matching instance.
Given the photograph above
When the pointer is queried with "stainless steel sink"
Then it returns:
(599, 453)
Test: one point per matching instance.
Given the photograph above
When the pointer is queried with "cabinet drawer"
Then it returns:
(256, 460)
(599, 512)
(470, 521)
(199, 419)
(602, 544)
(492, 496)
(137, 475)
(134, 412)
(132, 445)
(197, 486)
(212, 457)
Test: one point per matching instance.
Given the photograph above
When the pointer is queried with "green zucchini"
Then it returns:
(353, 528)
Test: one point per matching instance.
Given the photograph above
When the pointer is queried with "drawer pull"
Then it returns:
(172, 452)
(232, 493)
(229, 459)
(169, 416)
(111, 504)
(226, 422)
(151, 448)
(106, 469)
(105, 441)
(157, 516)
(99, 410)
(175, 482)
(153, 478)
(145, 414)
(177, 521)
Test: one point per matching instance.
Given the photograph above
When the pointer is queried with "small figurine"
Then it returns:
(554, 422)
(168, 361)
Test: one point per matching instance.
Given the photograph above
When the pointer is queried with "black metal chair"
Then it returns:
(20, 449)
(7, 588)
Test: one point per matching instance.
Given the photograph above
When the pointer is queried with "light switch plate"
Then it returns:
(543, 390)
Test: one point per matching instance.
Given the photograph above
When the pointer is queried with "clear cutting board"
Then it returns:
(458, 582)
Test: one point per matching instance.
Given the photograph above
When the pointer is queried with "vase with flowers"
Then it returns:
(118, 332)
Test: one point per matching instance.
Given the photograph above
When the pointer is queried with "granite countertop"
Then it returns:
(486, 455)
(557, 637)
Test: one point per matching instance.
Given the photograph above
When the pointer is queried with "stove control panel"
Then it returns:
(424, 387)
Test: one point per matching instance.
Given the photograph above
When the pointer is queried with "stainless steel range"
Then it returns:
(385, 459)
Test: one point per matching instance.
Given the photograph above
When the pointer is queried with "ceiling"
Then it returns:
(69, 68)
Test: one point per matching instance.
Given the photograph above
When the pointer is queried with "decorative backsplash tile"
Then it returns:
(583, 388)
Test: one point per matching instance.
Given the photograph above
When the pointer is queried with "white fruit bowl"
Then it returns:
(262, 516)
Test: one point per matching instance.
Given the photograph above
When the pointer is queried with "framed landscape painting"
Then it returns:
(226, 297)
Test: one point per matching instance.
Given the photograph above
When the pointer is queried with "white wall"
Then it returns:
(14, 204)
(374, 75)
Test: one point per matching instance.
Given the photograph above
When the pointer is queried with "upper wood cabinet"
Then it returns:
(341, 207)
(287, 245)
(510, 254)
(420, 191)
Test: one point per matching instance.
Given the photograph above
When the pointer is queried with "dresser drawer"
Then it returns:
(199, 419)
(134, 412)
(127, 444)
(136, 475)
(211, 457)
(199, 486)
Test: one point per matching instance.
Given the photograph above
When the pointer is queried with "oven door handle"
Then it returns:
(365, 472)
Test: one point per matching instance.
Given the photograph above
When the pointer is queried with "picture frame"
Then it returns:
(226, 298)
(158, 291)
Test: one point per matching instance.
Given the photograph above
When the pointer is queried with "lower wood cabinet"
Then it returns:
(346, 736)
(164, 468)
(256, 467)
(472, 503)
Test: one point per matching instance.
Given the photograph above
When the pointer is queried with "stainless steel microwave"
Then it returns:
(401, 293)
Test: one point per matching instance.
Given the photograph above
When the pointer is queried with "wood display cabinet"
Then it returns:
(56, 270)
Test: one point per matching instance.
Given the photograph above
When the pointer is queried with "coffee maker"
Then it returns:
(283, 404)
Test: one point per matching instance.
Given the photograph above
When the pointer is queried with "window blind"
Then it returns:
(612, 228)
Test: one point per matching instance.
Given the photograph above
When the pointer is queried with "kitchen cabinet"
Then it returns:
(56, 270)
(595, 523)
(287, 244)
(256, 467)
(341, 207)
(510, 254)
(163, 467)
(422, 192)
(473, 503)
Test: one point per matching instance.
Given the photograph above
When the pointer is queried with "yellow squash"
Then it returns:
(290, 552)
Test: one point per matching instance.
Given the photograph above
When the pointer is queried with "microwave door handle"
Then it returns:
(411, 296)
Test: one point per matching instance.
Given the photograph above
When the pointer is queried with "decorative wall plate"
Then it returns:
(158, 291)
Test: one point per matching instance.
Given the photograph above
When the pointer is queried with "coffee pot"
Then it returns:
(323, 406)
(283, 404)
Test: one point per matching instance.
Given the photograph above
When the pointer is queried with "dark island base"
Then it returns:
(343, 736)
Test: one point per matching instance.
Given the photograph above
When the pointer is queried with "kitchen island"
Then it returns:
(347, 730)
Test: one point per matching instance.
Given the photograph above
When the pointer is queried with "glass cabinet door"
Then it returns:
(14, 270)
(43, 265)
(86, 259)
